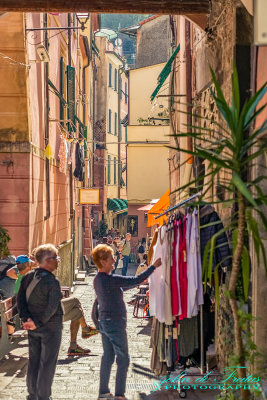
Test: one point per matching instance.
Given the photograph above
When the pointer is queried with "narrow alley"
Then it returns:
(133, 142)
(77, 378)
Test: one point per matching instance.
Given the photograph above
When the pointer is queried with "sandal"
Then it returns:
(105, 396)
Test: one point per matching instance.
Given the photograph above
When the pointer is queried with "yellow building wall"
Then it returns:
(13, 82)
(111, 138)
(143, 82)
(147, 163)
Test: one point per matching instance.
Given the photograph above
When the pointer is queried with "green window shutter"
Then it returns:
(108, 170)
(71, 96)
(119, 129)
(120, 85)
(61, 89)
(125, 93)
(115, 170)
(115, 79)
(109, 121)
(109, 75)
(165, 73)
(115, 123)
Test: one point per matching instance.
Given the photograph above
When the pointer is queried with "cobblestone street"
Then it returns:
(77, 378)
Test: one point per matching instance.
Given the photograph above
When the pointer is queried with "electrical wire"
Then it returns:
(14, 62)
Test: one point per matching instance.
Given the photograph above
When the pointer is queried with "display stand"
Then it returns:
(201, 367)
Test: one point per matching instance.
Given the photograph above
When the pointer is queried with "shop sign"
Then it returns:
(89, 196)
(260, 22)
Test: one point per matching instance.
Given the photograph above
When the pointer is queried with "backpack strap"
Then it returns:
(34, 282)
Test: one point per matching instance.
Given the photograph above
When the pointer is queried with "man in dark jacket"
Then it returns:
(39, 305)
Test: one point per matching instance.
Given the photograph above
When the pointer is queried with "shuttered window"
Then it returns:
(110, 75)
(115, 170)
(109, 161)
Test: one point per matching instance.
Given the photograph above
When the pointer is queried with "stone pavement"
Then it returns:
(77, 378)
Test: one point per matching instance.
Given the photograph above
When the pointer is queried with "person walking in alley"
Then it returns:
(126, 250)
(39, 305)
(112, 318)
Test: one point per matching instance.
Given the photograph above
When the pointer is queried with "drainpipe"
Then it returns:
(84, 121)
(188, 59)
(72, 220)
(47, 166)
(119, 132)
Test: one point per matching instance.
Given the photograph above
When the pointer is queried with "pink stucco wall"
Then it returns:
(142, 229)
(14, 200)
(56, 228)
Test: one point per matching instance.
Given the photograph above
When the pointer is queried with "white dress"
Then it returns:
(157, 279)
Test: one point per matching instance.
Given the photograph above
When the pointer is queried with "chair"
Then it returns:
(141, 302)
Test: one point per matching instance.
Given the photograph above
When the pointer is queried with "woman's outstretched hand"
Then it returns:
(157, 263)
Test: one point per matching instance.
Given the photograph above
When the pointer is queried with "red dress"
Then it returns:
(183, 267)
(174, 283)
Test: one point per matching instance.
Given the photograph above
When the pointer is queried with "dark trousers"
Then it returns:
(44, 344)
(114, 340)
(125, 261)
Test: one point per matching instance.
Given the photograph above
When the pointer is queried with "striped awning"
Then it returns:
(118, 206)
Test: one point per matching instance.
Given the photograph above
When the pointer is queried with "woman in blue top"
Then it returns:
(112, 316)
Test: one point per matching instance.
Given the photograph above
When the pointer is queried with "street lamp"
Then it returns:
(82, 19)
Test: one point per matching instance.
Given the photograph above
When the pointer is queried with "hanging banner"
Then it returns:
(89, 196)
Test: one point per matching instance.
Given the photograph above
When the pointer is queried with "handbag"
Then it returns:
(120, 264)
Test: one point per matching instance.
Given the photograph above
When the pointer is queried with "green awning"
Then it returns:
(117, 205)
(165, 73)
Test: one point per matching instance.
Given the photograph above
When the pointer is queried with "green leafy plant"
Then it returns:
(103, 226)
(4, 239)
(232, 148)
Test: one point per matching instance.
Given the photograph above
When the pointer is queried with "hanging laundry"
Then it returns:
(79, 163)
(48, 152)
(62, 154)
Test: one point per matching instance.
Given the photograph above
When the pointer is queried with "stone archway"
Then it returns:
(109, 6)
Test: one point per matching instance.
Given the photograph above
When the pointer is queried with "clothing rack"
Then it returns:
(182, 393)
(179, 205)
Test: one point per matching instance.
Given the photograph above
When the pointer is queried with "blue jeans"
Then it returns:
(125, 261)
(114, 340)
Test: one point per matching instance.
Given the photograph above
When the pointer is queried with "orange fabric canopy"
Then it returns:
(158, 208)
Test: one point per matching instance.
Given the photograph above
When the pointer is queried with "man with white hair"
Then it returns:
(39, 305)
